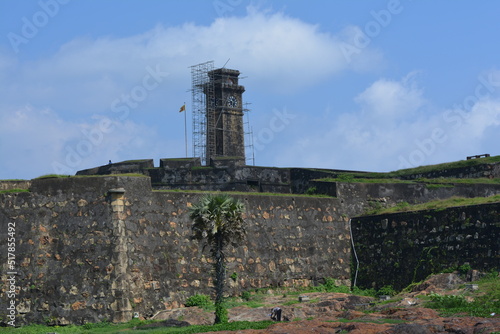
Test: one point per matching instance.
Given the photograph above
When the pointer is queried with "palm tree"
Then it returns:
(218, 220)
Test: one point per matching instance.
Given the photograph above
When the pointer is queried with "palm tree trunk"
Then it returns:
(220, 275)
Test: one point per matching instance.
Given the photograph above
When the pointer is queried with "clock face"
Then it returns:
(232, 102)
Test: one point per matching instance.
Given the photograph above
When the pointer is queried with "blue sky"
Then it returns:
(374, 86)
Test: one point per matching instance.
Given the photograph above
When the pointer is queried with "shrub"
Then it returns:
(387, 291)
(364, 292)
(198, 300)
(464, 269)
(311, 191)
(221, 313)
(246, 295)
(330, 286)
(447, 301)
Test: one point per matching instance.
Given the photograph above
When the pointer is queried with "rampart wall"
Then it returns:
(14, 184)
(104, 247)
(95, 248)
(480, 170)
(397, 249)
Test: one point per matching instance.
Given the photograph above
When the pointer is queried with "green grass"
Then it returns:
(179, 159)
(434, 205)
(395, 176)
(51, 176)
(133, 327)
(486, 299)
(443, 166)
(134, 161)
(430, 183)
(241, 193)
(201, 167)
(15, 190)
(252, 301)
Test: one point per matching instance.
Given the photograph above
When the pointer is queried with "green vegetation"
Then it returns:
(443, 166)
(202, 301)
(396, 176)
(430, 183)
(134, 327)
(240, 193)
(52, 176)
(15, 190)
(434, 205)
(134, 161)
(179, 159)
(486, 300)
(311, 191)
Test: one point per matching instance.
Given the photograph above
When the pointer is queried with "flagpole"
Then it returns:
(185, 131)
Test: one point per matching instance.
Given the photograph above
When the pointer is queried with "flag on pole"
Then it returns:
(183, 108)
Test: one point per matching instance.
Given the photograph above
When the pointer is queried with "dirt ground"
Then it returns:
(345, 313)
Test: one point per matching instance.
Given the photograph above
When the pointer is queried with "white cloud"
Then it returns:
(38, 141)
(280, 52)
(393, 129)
(391, 99)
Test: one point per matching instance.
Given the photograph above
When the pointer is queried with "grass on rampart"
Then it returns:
(360, 178)
(395, 176)
(434, 205)
(241, 193)
(444, 166)
(52, 176)
(15, 190)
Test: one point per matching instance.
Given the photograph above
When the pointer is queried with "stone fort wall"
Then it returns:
(104, 247)
(398, 249)
(95, 248)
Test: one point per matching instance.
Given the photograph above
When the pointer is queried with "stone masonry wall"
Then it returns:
(358, 198)
(14, 184)
(95, 248)
(398, 249)
(290, 241)
(65, 251)
(487, 170)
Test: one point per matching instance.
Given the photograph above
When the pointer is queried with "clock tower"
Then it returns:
(224, 115)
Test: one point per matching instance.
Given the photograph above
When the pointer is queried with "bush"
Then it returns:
(198, 300)
(221, 313)
(387, 291)
(447, 301)
(246, 295)
(364, 292)
(311, 191)
(464, 269)
(330, 286)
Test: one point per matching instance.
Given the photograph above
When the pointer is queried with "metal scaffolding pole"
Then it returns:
(201, 87)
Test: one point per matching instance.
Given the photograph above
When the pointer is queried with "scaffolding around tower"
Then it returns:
(200, 82)
(219, 128)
